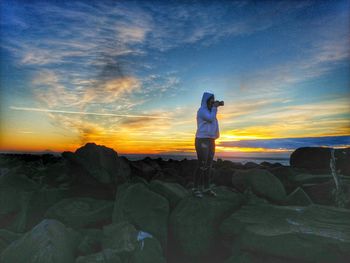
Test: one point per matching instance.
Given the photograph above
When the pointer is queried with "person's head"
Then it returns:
(210, 102)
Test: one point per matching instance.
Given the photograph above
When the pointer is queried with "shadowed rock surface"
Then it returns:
(92, 206)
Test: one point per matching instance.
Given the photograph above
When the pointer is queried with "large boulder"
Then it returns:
(131, 245)
(12, 186)
(194, 223)
(16, 193)
(146, 168)
(223, 176)
(173, 192)
(143, 208)
(48, 242)
(286, 175)
(99, 162)
(326, 193)
(318, 159)
(311, 158)
(91, 241)
(299, 198)
(302, 234)
(6, 238)
(262, 182)
(104, 256)
(82, 212)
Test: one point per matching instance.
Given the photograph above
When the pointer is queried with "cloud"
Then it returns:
(291, 143)
(90, 113)
(316, 56)
(50, 91)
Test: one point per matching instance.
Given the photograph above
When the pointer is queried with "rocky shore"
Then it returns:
(92, 206)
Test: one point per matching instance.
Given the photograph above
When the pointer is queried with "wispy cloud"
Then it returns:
(291, 143)
(88, 113)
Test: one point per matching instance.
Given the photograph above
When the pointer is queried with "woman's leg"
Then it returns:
(202, 147)
(210, 157)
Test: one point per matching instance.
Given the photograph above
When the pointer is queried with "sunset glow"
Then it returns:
(130, 75)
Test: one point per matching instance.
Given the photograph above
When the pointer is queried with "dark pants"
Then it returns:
(205, 148)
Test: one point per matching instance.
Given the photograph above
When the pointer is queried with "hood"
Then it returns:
(205, 97)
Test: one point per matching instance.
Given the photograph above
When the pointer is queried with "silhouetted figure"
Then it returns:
(207, 133)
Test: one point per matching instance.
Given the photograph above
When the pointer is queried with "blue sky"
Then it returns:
(280, 66)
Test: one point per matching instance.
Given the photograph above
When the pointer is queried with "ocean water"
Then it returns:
(241, 159)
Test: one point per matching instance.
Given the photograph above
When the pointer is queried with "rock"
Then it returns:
(251, 165)
(6, 238)
(299, 198)
(286, 175)
(187, 169)
(266, 164)
(301, 234)
(146, 168)
(303, 178)
(262, 182)
(12, 185)
(105, 256)
(173, 192)
(91, 241)
(33, 206)
(120, 236)
(342, 161)
(223, 176)
(81, 212)
(321, 193)
(48, 242)
(40, 202)
(250, 257)
(318, 158)
(326, 194)
(194, 226)
(143, 208)
(311, 158)
(127, 242)
(99, 162)
(150, 251)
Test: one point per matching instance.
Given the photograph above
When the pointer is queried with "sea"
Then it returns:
(284, 160)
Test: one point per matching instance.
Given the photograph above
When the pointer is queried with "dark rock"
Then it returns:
(48, 242)
(342, 161)
(251, 165)
(144, 209)
(302, 234)
(104, 256)
(130, 246)
(82, 212)
(299, 198)
(99, 162)
(286, 175)
(266, 164)
(326, 194)
(194, 227)
(262, 182)
(173, 192)
(91, 241)
(146, 168)
(223, 176)
(318, 159)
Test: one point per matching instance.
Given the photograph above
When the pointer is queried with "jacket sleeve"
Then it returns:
(207, 115)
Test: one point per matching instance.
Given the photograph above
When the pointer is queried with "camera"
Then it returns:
(220, 103)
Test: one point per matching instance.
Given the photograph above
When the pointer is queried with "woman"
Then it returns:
(207, 133)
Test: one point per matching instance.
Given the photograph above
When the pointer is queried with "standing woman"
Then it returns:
(207, 133)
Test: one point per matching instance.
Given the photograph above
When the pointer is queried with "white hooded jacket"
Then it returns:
(207, 124)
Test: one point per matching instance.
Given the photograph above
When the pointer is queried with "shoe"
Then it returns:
(209, 192)
(197, 193)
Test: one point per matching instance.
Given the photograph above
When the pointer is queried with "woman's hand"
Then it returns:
(216, 104)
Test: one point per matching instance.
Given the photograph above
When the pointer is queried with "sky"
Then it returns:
(130, 74)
